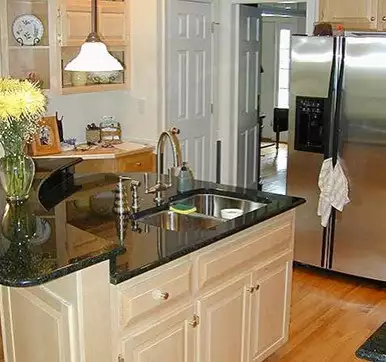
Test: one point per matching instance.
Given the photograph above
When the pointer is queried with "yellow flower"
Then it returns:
(20, 99)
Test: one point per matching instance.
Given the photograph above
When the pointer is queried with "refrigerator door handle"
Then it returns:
(330, 106)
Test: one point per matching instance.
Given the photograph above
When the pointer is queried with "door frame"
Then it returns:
(162, 91)
(227, 93)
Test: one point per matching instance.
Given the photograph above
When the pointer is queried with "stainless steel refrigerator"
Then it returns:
(338, 109)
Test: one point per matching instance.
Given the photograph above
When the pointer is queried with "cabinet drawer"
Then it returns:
(159, 290)
(258, 245)
(136, 163)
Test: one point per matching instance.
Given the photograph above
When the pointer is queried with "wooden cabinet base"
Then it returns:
(139, 162)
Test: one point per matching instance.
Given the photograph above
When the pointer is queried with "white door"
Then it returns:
(189, 81)
(248, 32)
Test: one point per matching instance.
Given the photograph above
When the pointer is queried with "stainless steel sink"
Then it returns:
(211, 204)
(208, 212)
(177, 222)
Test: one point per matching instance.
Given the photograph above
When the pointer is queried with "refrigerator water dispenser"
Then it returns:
(310, 124)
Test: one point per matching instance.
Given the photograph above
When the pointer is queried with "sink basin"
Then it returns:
(208, 212)
(177, 222)
(212, 204)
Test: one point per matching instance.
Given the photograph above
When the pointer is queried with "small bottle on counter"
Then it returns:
(185, 178)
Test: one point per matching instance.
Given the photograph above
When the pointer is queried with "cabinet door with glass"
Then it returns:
(28, 40)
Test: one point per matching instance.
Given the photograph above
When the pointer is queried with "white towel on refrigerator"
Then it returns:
(334, 189)
(325, 185)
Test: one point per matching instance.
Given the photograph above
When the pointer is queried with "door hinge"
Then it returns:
(211, 108)
(213, 26)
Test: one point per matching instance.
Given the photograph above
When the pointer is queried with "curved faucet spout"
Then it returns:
(160, 186)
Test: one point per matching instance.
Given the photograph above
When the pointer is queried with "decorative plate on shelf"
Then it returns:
(27, 29)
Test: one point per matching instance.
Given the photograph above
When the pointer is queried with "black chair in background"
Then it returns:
(280, 122)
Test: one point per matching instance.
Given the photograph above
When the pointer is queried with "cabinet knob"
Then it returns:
(138, 164)
(372, 18)
(195, 321)
(158, 295)
(384, 18)
(250, 289)
(257, 287)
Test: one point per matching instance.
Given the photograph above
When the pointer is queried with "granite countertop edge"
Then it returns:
(75, 266)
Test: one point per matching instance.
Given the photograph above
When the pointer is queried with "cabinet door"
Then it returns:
(223, 322)
(270, 310)
(353, 14)
(75, 22)
(112, 22)
(382, 15)
(169, 339)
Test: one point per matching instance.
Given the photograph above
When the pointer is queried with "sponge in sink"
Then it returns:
(183, 209)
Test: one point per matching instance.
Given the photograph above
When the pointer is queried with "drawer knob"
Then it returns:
(372, 18)
(158, 295)
(195, 321)
(138, 164)
(384, 18)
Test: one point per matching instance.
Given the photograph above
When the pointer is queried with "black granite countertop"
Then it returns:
(36, 242)
(76, 227)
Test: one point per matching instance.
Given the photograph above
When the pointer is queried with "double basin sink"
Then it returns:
(207, 214)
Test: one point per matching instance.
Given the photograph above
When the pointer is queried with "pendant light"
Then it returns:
(93, 55)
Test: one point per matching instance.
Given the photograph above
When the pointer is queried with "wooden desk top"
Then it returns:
(99, 153)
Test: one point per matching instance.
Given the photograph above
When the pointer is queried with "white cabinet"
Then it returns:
(167, 339)
(223, 322)
(227, 302)
(270, 310)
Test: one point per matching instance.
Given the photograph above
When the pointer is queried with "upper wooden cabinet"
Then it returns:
(66, 25)
(353, 14)
(75, 21)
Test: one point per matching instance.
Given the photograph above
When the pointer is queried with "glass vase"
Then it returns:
(17, 172)
(19, 223)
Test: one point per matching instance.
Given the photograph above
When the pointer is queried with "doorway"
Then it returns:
(279, 22)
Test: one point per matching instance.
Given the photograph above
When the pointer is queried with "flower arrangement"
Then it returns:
(22, 104)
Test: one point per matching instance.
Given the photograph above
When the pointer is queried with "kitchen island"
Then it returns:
(97, 286)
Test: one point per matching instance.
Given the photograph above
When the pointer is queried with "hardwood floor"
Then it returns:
(274, 168)
(330, 317)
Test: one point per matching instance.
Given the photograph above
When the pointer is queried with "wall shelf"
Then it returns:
(35, 47)
(93, 88)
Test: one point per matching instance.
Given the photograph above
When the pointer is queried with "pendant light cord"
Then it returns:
(94, 17)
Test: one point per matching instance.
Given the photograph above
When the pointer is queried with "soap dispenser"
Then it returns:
(185, 178)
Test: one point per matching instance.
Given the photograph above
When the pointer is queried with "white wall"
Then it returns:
(80, 109)
(226, 73)
(270, 62)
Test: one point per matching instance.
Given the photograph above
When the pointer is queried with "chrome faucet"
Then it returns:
(160, 186)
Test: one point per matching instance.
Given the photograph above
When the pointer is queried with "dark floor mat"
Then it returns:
(374, 349)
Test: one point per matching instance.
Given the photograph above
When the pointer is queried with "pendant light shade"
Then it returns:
(94, 57)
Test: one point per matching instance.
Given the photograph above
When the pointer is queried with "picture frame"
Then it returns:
(47, 140)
